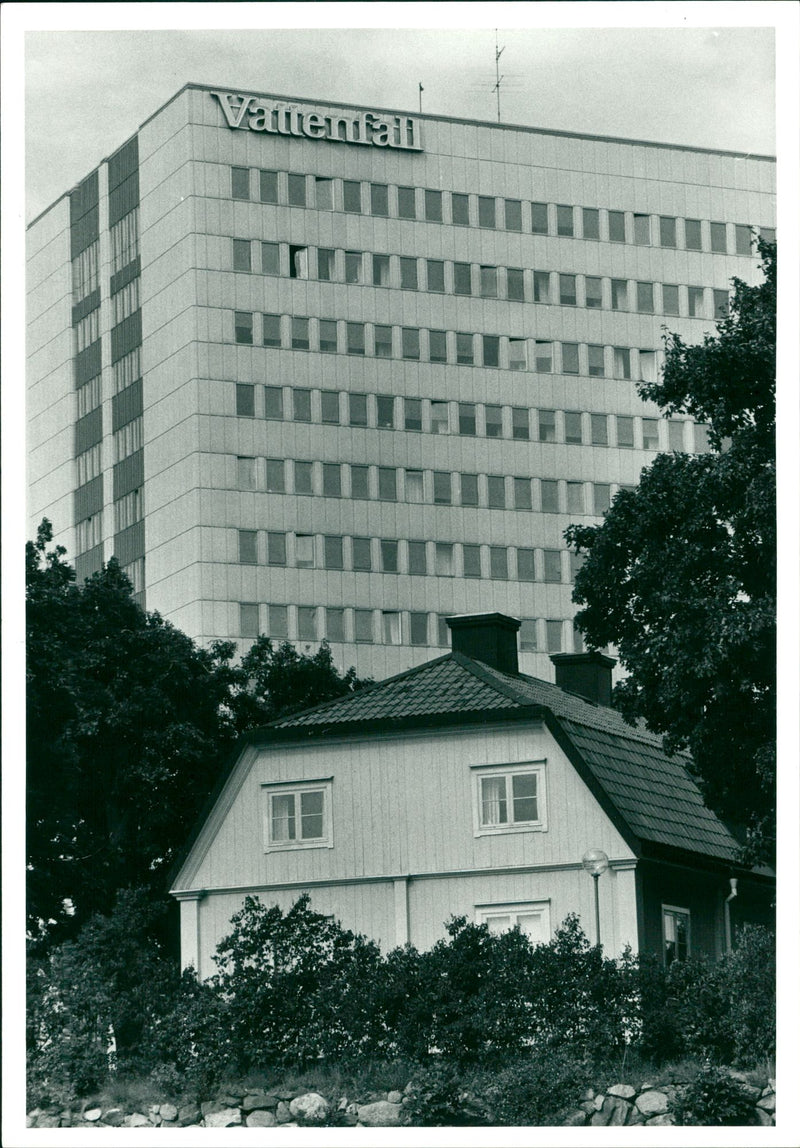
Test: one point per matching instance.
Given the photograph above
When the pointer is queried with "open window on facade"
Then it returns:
(298, 815)
(509, 798)
(531, 917)
(676, 933)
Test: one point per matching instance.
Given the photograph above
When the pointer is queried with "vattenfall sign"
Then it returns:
(253, 114)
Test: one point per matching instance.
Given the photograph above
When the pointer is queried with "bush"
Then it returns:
(535, 1090)
(439, 1098)
(713, 1098)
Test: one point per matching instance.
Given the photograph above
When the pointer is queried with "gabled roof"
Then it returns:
(650, 794)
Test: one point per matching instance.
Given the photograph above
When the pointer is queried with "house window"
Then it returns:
(297, 190)
(520, 423)
(694, 240)
(276, 482)
(379, 198)
(271, 259)
(417, 558)
(406, 203)
(466, 419)
(391, 628)
(388, 556)
(488, 281)
(549, 495)
(527, 635)
(531, 917)
(299, 815)
(624, 430)
(719, 238)
(412, 409)
(243, 322)
(472, 560)
(241, 255)
(564, 223)
(362, 625)
(744, 239)
(575, 498)
(278, 621)
(491, 350)
(469, 490)
(619, 295)
(276, 548)
(594, 292)
(567, 296)
(240, 182)
(247, 546)
(435, 275)
(387, 483)
(332, 479)
(248, 619)
(418, 629)
(591, 223)
(443, 558)
(515, 284)
(641, 229)
(245, 400)
(695, 298)
(597, 367)
(442, 493)
(622, 363)
(355, 338)
(569, 358)
(268, 186)
(301, 405)
(547, 426)
(669, 299)
(433, 206)
(498, 562)
(573, 420)
(460, 208)
(326, 261)
(526, 567)
(465, 354)
(541, 286)
(518, 355)
(486, 211)
(599, 430)
(352, 267)
(496, 491)
(647, 366)
(494, 420)
(385, 405)
(644, 298)
(616, 226)
(650, 434)
(359, 481)
(333, 552)
(720, 303)
(303, 478)
(358, 410)
(329, 403)
(414, 486)
(522, 494)
(509, 798)
(539, 218)
(667, 231)
(307, 623)
(513, 214)
(273, 402)
(676, 933)
(437, 346)
(410, 342)
(323, 193)
(328, 340)
(408, 273)
(362, 554)
(602, 497)
(300, 334)
(552, 565)
(271, 331)
(440, 416)
(351, 192)
(334, 624)
(462, 279)
(544, 356)
(553, 632)
(380, 270)
(675, 428)
(304, 556)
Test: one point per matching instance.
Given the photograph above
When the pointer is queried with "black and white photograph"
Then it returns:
(398, 746)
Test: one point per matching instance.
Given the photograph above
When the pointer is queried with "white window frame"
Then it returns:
(673, 909)
(480, 772)
(295, 789)
(516, 909)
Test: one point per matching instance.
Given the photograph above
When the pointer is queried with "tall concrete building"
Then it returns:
(317, 370)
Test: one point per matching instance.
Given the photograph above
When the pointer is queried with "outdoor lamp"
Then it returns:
(595, 861)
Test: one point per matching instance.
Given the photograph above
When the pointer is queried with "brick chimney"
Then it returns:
(588, 675)
(489, 638)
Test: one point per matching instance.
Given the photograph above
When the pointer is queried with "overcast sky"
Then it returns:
(87, 91)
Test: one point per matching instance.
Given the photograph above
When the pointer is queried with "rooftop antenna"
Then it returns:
(421, 90)
(497, 54)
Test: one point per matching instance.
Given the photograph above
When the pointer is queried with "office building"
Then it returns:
(323, 371)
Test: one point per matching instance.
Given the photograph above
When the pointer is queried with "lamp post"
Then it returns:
(595, 861)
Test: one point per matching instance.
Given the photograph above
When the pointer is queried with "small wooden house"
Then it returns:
(463, 787)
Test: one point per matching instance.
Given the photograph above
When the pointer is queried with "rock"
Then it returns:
(575, 1119)
(634, 1116)
(230, 1099)
(617, 1110)
(409, 1088)
(599, 1119)
(623, 1090)
(587, 1094)
(394, 1097)
(114, 1117)
(255, 1100)
(260, 1118)
(136, 1120)
(652, 1103)
(587, 1106)
(379, 1114)
(282, 1113)
(662, 1118)
(311, 1107)
(767, 1102)
(224, 1118)
(189, 1114)
(91, 1114)
(764, 1118)
(168, 1113)
(209, 1106)
(598, 1101)
(48, 1121)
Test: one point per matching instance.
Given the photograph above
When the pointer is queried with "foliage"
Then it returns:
(714, 1098)
(680, 576)
(535, 1089)
(438, 1098)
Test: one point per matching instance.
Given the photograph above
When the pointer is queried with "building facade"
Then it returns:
(321, 371)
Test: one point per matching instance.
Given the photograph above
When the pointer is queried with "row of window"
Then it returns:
(90, 395)
(128, 439)
(437, 416)
(486, 281)
(125, 301)
(89, 464)
(89, 533)
(127, 370)
(86, 272)
(439, 487)
(124, 241)
(387, 627)
(463, 209)
(128, 509)
(407, 556)
(460, 347)
(87, 330)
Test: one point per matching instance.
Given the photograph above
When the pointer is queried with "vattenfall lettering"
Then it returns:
(249, 112)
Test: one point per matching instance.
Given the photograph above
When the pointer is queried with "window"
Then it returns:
(299, 816)
(333, 552)
(383, 342)
(87, 330)
(591, 223)
(720, 303)
(575, 502)
(323, 193)
(619, 294)
(675, 923)
(520, 423)
(594, 291)
(357, 410)
(407, 202)
(541, 286)
(271, 330)
(488, 281)
(518, 355)
(273, 402)
(304, 552)
(526, 567)
(553, 632)
(90, 396)
(701, 443)
(675, 429)
(547, 426)
(391, 627)
(460, 209)
(362, 625)
(417, 558)
(486, 211)
(388, 556)
(298, 262)
(328, 340)
(243, 323)
(86, 272)
(494, 420)
(89, 533)
(437, 346)
(331, 479)
(496, 491)
(379, 198)
(408, 274)
(552, 565)
(564, 225)
(435, 274)
(544, 356)
(498, 562)
(334, 624)
(278, 621)
(268, 186)
(247, 546)
(380, 270)
(245, 400)
(440, 418)
(351, 193)
(647, 366)
(127, 370)
(299, 334)
(433, 206)
(467, 423)
(326, 262)
(650, 434)
(462, 279)
(385, 406)
(549, 495)
(510, 798)
(276, 548)
(387, 483)
(667, 232)
(532, 919)
(297, 190)
(471, 555)
(240, 182)
(414, 486)
(412, 414)
(128, 439)
(768, 234)
(573, 432)
(624, 431)
(601, 497)
(744, 239)
(644, 298)
(719, 238)
(669, 299)
(303, 478)
(693, 233)
(566, 290)
(442, 487)
(616, 226)
(569, 358)
(362, 554)
(527, 635)
(248, 619)
(695, 298)
(276, 480)
(513, 214)
(418, 628)
(539, 218)
(443, 559)
(355, 338)
(522, 494)
(465, 354)
(301, 405)
(359, 481)
(125, 240)
(597, 367)
(410, 342)
(329, 403)
(491, 350)
(599, 430)
(622, 363)
(352, 267)
(469, 490)
(515, 284)
(241, 255)
(641, 229)
(442, 631)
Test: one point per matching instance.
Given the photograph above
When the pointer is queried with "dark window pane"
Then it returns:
(539, 218)
(297, 190)
(379, 198)
(486, 211)
(406, 203)
(513, 215)
(268, 186)
(240, 182)
(352, 195)
(460, 208)
(433, 205)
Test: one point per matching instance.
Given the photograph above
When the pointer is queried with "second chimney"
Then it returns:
(588, 675)
(489, 638)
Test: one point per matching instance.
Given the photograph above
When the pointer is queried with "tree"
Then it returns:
(681, 574)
